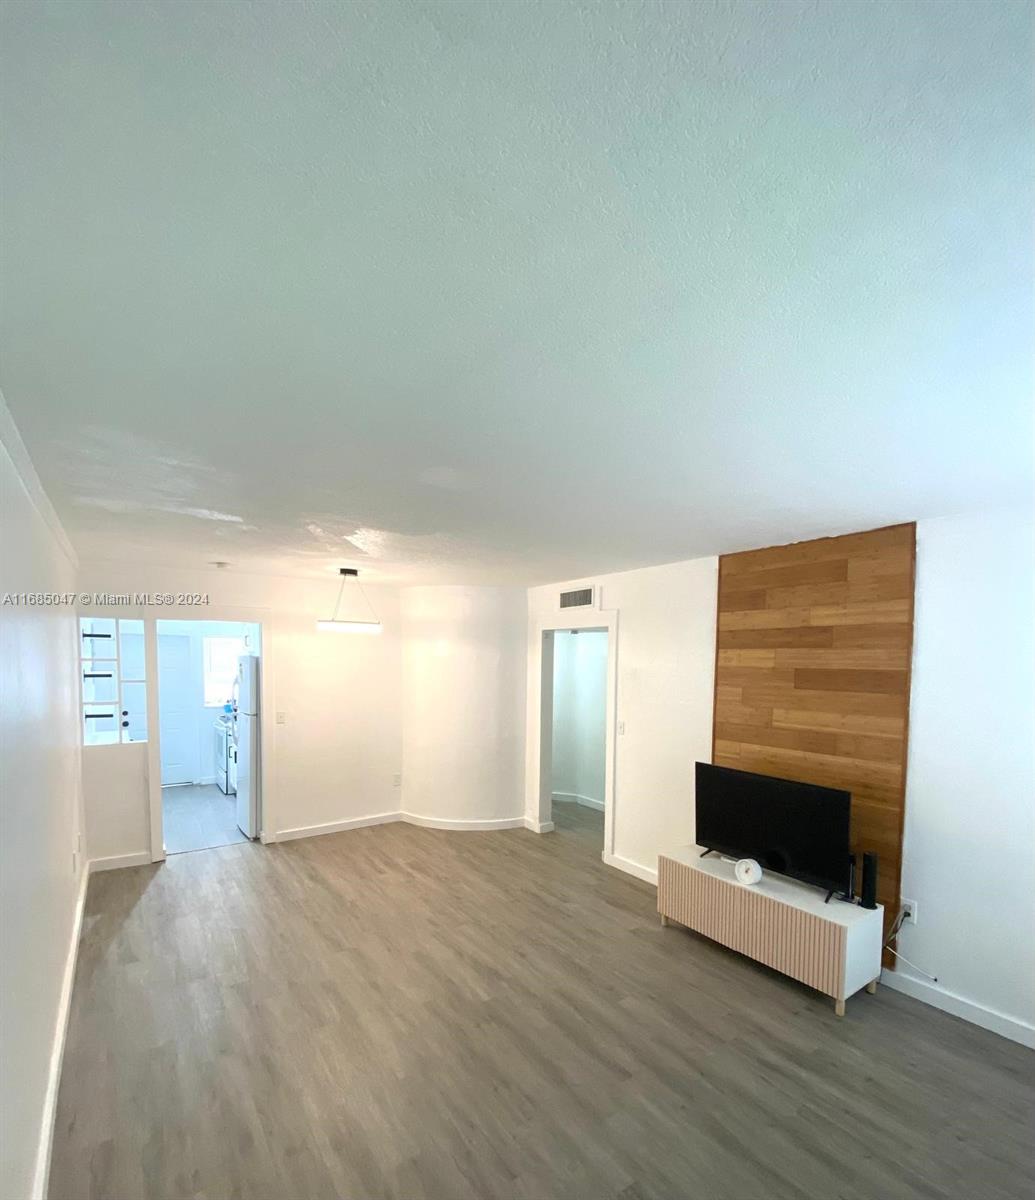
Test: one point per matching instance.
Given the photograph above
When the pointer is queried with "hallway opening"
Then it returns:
(200, 733)
(579, 741)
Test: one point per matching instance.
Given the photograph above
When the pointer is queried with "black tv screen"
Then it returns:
(795, 829)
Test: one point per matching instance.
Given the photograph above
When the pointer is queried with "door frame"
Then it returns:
(263, 617)
(539, 731)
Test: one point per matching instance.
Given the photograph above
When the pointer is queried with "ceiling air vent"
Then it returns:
(583, 598)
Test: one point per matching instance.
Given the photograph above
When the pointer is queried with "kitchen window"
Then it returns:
(114, 689)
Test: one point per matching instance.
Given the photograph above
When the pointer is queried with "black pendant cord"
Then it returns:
(347, 573)
(337, 603)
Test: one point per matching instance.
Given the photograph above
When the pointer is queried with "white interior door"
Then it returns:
(178, 709)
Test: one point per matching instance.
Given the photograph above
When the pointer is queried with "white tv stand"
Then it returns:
(835, 947)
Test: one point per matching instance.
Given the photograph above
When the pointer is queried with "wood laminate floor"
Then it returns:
(411, 1013)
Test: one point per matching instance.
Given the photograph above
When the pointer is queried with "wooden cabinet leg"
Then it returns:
(871, 987)
(839, 1008)
(664, 919)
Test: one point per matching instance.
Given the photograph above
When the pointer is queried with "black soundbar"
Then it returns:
(869, 881)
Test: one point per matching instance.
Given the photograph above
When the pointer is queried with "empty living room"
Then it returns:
(517, 600)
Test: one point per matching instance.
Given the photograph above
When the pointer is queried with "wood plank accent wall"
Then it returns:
(813, 651)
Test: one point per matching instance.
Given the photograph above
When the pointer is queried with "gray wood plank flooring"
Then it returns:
(410, 1013)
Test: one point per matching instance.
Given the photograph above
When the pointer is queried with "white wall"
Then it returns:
(969, 852)
(464, 653)
(666, 666)
(115, 801)
(40, 816)
(579, 712)
(348, 703)
(334, 757)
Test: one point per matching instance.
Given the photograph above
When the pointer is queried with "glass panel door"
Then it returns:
(100, 724)
(134, 712)
(113, 674)
(97, 637)
(131, 650)
(134, 691)
(100, 682)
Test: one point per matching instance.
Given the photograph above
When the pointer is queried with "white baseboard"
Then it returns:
(631, 868)
(443, 823)
(304, 831)
(141, 859)
(585, 801)
(977, 1014)
(287, 835)
(57, 1050)
(538, 826)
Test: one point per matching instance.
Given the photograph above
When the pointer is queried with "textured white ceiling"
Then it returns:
(514, 291)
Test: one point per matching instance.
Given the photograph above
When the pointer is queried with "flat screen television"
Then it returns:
(795, 829)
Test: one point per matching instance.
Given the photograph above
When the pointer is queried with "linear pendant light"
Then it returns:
(336, 625)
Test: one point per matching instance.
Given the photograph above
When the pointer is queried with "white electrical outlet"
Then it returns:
(281, 718)
(909, 911)
(397, 781)
(621, 728)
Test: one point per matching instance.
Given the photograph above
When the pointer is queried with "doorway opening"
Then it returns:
(208, 704)
(578, 758)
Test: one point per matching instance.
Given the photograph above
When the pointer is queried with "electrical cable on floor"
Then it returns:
(933, 978)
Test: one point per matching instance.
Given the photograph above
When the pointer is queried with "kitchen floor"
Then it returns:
(198, 817)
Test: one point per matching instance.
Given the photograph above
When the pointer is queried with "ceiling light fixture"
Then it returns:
(349, 625)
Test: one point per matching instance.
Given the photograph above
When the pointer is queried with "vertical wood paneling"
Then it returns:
(813, 650)
(798, 944)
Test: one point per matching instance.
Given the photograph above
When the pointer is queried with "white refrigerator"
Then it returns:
(246, 738)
